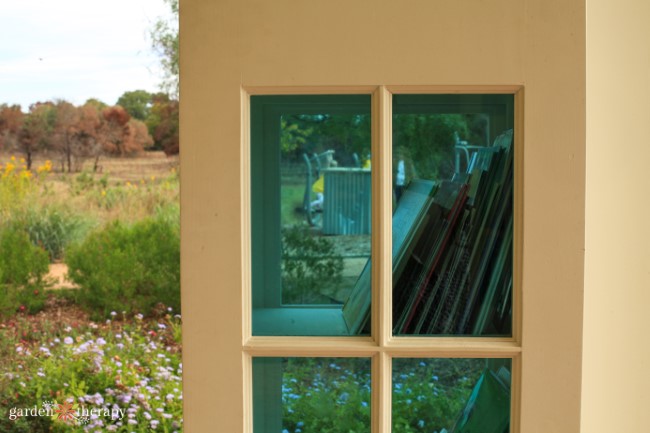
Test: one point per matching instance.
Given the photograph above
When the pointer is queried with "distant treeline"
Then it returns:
(139, 121)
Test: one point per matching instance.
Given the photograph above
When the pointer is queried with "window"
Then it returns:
(375, 218)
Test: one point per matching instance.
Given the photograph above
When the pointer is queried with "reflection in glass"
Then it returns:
(452, 219)
(325, 194)
(455, 395)
(310, 201)
(311, 395)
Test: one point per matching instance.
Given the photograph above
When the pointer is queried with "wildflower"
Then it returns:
(161, 326)
(68, 340)
(22, 308)
(139, 316)
(113, 313)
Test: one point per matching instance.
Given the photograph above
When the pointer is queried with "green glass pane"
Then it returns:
(310, 176)
(451, 395)
(295, 395)
(453, 214)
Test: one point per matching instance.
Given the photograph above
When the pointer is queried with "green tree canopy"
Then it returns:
(164, 41)
(137, 103)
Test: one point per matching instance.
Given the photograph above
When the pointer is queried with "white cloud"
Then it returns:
(76, 49)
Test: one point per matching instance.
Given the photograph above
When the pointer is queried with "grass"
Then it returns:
(292, 198)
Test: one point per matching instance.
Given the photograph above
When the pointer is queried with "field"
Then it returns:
(114, 341)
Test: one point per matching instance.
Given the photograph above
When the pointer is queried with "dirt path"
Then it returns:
(57, 274)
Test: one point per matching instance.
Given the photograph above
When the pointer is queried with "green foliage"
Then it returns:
(21, 262)
(332, 395)
(132, 365)
(429, 394)
(164, 41)
(293, 135)
(327, 395)
(345, 134)
(54, 228)
(310, 266)
(130, 268)
(429, 141)
(137, 103)
(22, 267)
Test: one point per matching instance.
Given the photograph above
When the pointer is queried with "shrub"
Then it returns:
(128, 268)
(21, 262)
(310, 265)
(53, 229)
(22, 267)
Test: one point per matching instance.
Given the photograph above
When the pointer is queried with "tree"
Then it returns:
(115, 130)
(11, 121)
(123, 135)
(36, 130)
(99, 105)
(65, 125)
(163, 123)
(137, 103)
(164, 41)
(88, 136)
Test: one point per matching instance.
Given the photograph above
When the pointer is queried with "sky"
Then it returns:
(76, 49)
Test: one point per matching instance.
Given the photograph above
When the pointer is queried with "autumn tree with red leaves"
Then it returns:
(163, 123)
(123, 135)
(11, 121)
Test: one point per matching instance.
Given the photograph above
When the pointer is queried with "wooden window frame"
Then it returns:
(382, 346)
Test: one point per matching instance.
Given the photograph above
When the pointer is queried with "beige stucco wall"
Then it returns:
(616, 357)
(538, 44)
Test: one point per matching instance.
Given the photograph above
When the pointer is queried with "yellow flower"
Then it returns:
(46, 167)
(22, 160)
(26, 174)
(9, 168)
(13, 158)
(103, 193)
(128, 183)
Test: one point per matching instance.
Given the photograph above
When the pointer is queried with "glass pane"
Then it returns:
(459, 395)
(294, 395)
(452, 217)
(310, 178)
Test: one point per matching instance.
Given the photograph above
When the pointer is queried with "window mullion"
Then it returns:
(381, 252)
(381, 414)
(382, 216)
